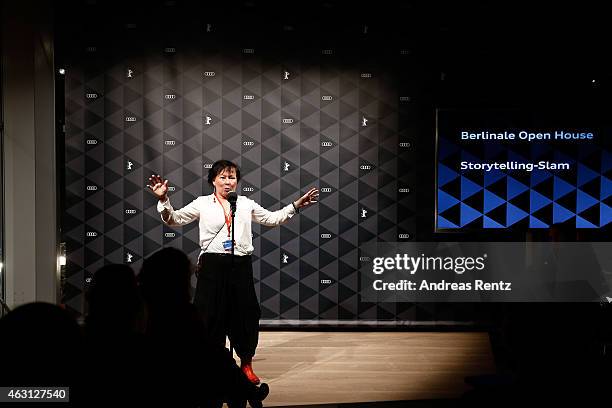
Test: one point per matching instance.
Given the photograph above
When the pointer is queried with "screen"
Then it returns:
(521, 169)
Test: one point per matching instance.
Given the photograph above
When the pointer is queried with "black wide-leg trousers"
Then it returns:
(227, 301)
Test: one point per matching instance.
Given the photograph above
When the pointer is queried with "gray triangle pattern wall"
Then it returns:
(317, 117)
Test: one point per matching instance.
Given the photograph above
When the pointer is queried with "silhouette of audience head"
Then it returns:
(43, 344)
(165, 278)
(114, 300)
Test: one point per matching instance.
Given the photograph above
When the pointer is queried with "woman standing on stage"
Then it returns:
(225, 298)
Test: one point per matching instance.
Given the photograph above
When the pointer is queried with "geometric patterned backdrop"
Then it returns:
(580, 197)
(295, 106)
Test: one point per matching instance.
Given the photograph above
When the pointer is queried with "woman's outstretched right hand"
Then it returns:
(158, 186)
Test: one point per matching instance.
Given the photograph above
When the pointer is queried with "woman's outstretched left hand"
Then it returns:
(311, 197)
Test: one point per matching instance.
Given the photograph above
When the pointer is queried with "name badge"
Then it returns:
(227, 245)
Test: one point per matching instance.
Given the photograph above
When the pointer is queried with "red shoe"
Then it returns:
(247, 369)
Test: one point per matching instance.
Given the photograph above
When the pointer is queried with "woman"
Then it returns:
(226, 298)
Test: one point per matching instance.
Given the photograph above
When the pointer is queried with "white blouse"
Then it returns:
(213, 230)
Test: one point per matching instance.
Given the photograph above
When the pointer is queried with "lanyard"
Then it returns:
(228, 216)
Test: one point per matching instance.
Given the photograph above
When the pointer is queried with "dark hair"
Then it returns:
(165, 278)
(219, 166)
(113, 298)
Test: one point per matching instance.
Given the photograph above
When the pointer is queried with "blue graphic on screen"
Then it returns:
(500, 170)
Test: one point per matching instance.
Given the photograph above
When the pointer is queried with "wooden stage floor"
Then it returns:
(304, 368)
